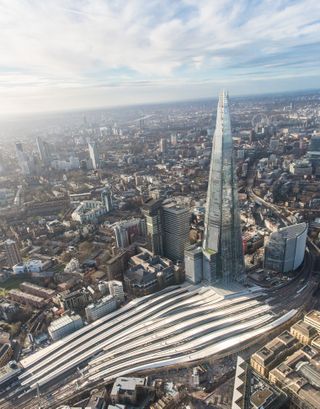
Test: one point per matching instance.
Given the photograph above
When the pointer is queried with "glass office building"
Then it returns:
(222, 245)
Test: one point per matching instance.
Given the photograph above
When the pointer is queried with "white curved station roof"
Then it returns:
(174, 326)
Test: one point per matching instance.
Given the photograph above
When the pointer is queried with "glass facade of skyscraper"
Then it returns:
(222, 246)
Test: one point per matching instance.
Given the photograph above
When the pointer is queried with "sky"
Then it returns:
(74, 54)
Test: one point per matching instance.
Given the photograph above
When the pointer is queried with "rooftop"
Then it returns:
(127, 384)
(140, 275)
(104, 300)
(260, 397)
(76, 293)
(279, 344)
(26, 295)
(314, 316)
(291, 232)
(174, 208)
(304, 328)
(8, 371)
(37, 287)
(63, 321)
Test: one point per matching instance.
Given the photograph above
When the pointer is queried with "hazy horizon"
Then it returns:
(67, 55)
(213, 98)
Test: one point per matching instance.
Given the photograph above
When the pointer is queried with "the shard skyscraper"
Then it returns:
(222, 246)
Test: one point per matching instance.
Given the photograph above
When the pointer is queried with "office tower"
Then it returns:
(285, 250)
(314, 153)
(22, 159)
(315, 144)
(163, 145)
(167, 228)
(13, 253)
(106, 198)
(176, 222)
(222, 245)
(174, 139)
(193, 263)
(127, 231)
(43, 150)
(93, 152)
(152, 210)
(252, 135)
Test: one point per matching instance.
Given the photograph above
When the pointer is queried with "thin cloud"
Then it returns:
(50, 47)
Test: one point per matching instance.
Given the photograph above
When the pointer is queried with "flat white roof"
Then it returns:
(63, 321)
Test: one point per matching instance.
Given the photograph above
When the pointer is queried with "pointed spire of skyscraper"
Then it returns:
(222, 245)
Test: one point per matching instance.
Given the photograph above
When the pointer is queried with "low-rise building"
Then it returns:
(294, 370)
(273, 352)
(116, 290)
(303, 332)
(8, 310)
(72, 266)
(148, 274)
(45, 208)
(75, 300)
(27, 299)
(301, 381)
(64, 326)
(31, 266)
(96, 402)
(66, 165)
(300, 168)
(103, 307)
(313, 318)
(127, 390)
(19, 268)
(253, 392)
(89, 211)
(37, 290)
(166, 402)
(316, 342)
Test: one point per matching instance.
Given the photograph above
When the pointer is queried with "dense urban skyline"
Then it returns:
(103, 228)
(159, 243)
(76, 55)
